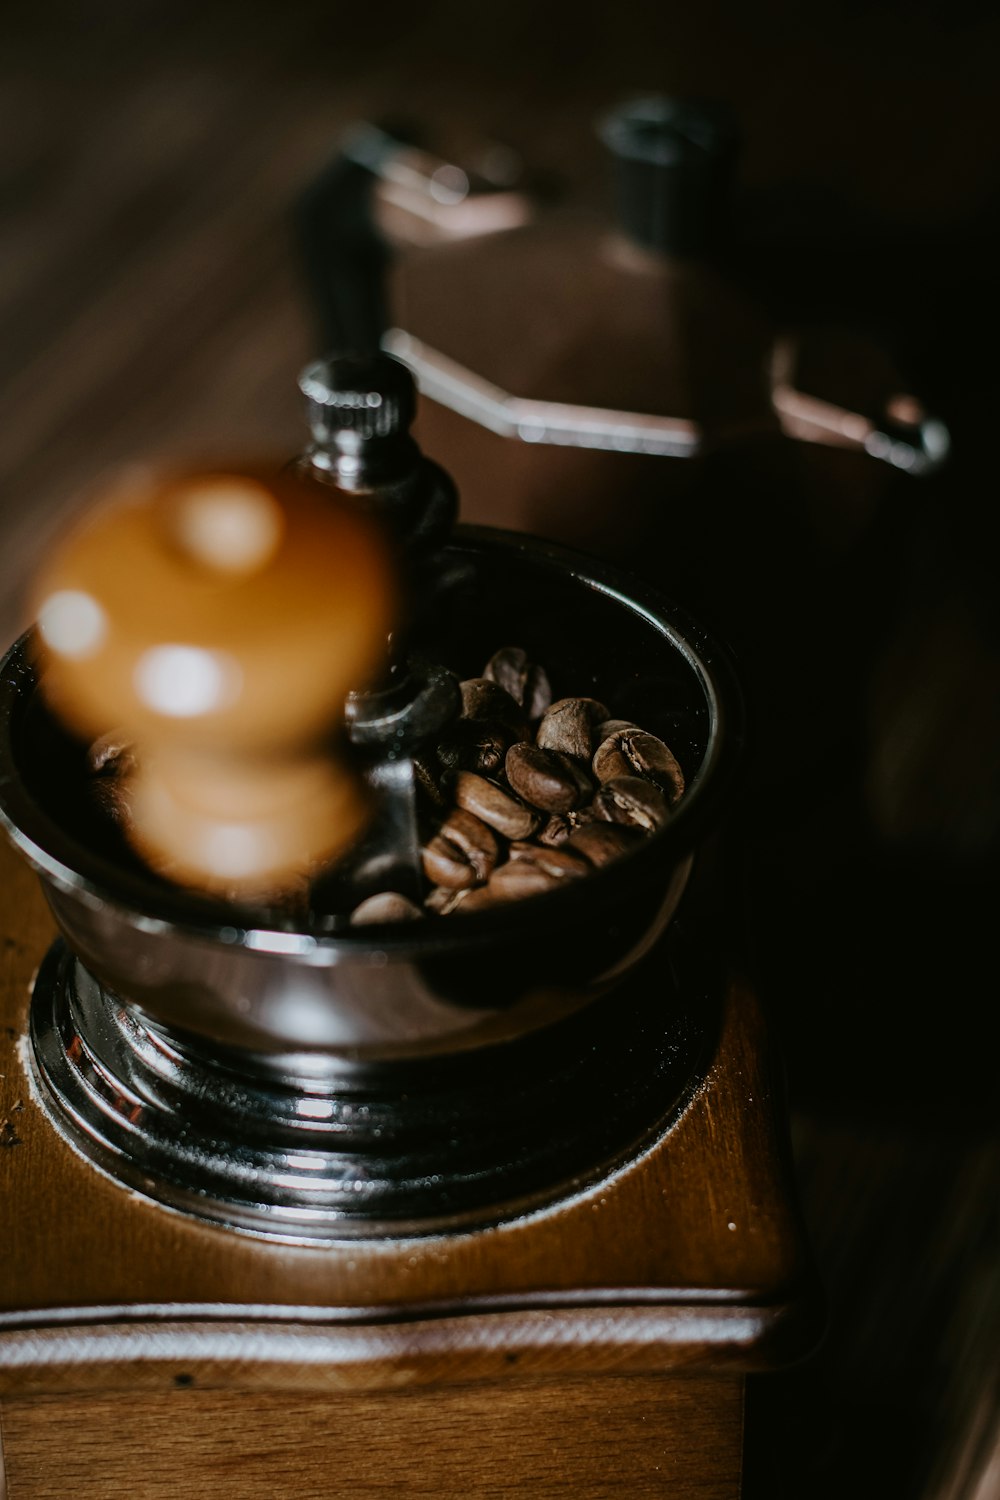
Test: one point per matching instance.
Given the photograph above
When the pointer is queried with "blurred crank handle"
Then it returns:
(420, 197)
(382, 189)
(903, 435)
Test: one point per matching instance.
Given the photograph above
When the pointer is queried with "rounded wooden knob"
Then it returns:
(218, 621)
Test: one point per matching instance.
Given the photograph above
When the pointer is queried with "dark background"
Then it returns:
(150, 302)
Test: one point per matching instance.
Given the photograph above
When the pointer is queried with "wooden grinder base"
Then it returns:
(599, 1346)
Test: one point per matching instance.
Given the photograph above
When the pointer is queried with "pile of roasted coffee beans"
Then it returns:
(522, 794)
(519, 795)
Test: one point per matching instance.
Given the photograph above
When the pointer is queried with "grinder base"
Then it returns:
(331, 1150)
(600, 1344)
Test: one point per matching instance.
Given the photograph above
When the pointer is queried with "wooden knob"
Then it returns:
(218, 621)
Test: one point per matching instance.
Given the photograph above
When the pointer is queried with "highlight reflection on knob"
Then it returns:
(217, 621)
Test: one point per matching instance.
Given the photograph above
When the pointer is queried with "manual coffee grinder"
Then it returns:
(488, 1201)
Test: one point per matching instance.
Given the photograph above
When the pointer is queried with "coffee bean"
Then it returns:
(443, 864)
(474, 745)
(111, 754)
(498, 808)
(481, 897)
(602, 843)
(567, 727)
(555, 830)
(427, 784)
(443, 902)
(111, 761)
(633, 752)
(609, 727)
(527, 683)
(385, 906)
(518, 879)
(546, 779)
(444, 899)
(486, 700)
(463, 851)
(486, 751)
(560, 826)
(561, 863)
(632, 800)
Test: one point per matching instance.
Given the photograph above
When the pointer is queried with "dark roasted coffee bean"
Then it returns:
(633, 752)
(444, 864)
(602, 843)
(443, 902)
(479, 898)
(486, 751)
(427, 784)
(477, 842)
(632, 800)
(487, 701)
(526, 682)
(555, 830)
(495, 806)
(611, 726)
(546, 779)
(567, 727)
(474, 745)
(112, 754)
(519, 878)
(385, 906)
(443, 899)
(462, 852)
(561, 862)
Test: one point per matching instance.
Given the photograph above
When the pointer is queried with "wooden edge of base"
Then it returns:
(270, 1351)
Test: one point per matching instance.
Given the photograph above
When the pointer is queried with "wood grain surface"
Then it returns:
(150, 302)
(627, 1435)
